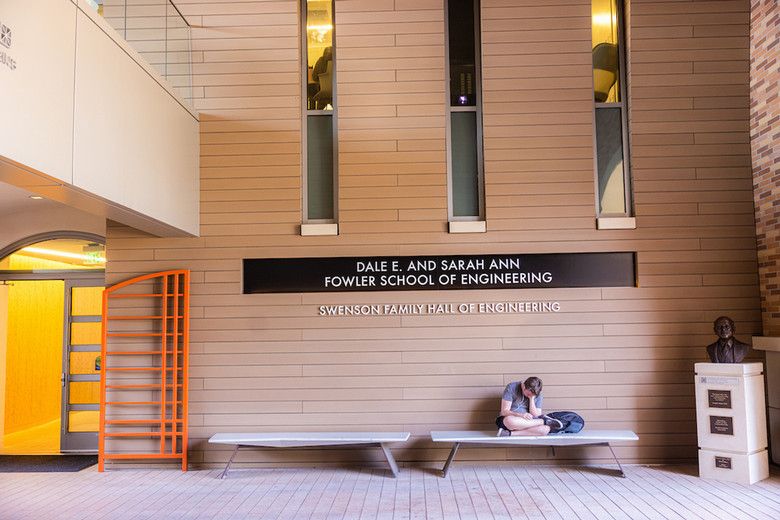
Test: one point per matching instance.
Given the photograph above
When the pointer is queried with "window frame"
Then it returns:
(306, 112)
(623, 106)
(477, 109)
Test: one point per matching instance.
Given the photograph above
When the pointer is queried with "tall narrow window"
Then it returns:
(609, 103)
(464, 114)
(319, 115)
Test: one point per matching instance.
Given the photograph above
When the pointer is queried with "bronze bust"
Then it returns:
(727, 349)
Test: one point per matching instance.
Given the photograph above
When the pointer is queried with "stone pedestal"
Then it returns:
(731, 422)
(771, 345)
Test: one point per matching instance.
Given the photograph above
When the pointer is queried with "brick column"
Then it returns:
(765, 150)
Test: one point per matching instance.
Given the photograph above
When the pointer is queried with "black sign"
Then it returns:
(436, 273)
(723, 462)
(719, 398)
(720, 425)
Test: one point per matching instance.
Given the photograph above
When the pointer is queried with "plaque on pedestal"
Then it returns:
(732, 467)
(731, 422)
(719, 398)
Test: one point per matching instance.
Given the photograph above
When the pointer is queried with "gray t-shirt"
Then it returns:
(514, 393)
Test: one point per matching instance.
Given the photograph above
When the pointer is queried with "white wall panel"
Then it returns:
(87, 122)
(133, 143)
(36, 120)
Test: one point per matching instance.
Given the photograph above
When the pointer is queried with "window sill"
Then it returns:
(319, 230)
(475, 226)
(616, 223)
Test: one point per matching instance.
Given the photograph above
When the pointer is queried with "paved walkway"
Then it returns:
(534, 492)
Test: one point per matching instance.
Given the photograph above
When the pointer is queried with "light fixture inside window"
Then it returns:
(605, 19)
(86, 257)
(319, 23)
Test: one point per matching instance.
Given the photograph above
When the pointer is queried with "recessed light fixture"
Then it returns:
(36, 197)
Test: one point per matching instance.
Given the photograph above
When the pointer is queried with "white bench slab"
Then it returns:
(488, 438)
(307, 439)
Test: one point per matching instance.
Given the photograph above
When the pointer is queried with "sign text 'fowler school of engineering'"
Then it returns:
(425, 273)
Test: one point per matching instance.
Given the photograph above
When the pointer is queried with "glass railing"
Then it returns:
(158, 32)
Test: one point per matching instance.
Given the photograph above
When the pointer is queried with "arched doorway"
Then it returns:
(50, 306)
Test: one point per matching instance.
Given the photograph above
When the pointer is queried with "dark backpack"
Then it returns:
(572, 422)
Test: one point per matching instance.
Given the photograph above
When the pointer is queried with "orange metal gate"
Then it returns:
(144, 370)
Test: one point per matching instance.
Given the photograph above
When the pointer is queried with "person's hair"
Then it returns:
(534, 384)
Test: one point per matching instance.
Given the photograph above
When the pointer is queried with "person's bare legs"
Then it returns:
(519, 426)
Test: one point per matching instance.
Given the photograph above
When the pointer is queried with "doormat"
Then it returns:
(45, 463)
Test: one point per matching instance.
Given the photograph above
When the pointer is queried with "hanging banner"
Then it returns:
(437, 273)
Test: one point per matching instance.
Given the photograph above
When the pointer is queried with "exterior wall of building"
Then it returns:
(622, 357)
(765, 144)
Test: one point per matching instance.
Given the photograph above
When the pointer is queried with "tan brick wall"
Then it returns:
(765, 147)
(622, 357)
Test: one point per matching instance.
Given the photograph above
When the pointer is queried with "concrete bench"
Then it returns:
(488, 438)
(300, 440)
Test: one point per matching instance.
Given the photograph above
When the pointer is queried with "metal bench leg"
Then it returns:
(447, 464)
(616, 460)
(390, 459)
(224, 473)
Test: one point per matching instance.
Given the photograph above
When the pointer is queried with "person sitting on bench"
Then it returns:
(521, 410)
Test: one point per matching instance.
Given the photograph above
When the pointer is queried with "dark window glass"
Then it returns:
(465, 173)
(319, 156)
(463, 68)
(609, 149)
